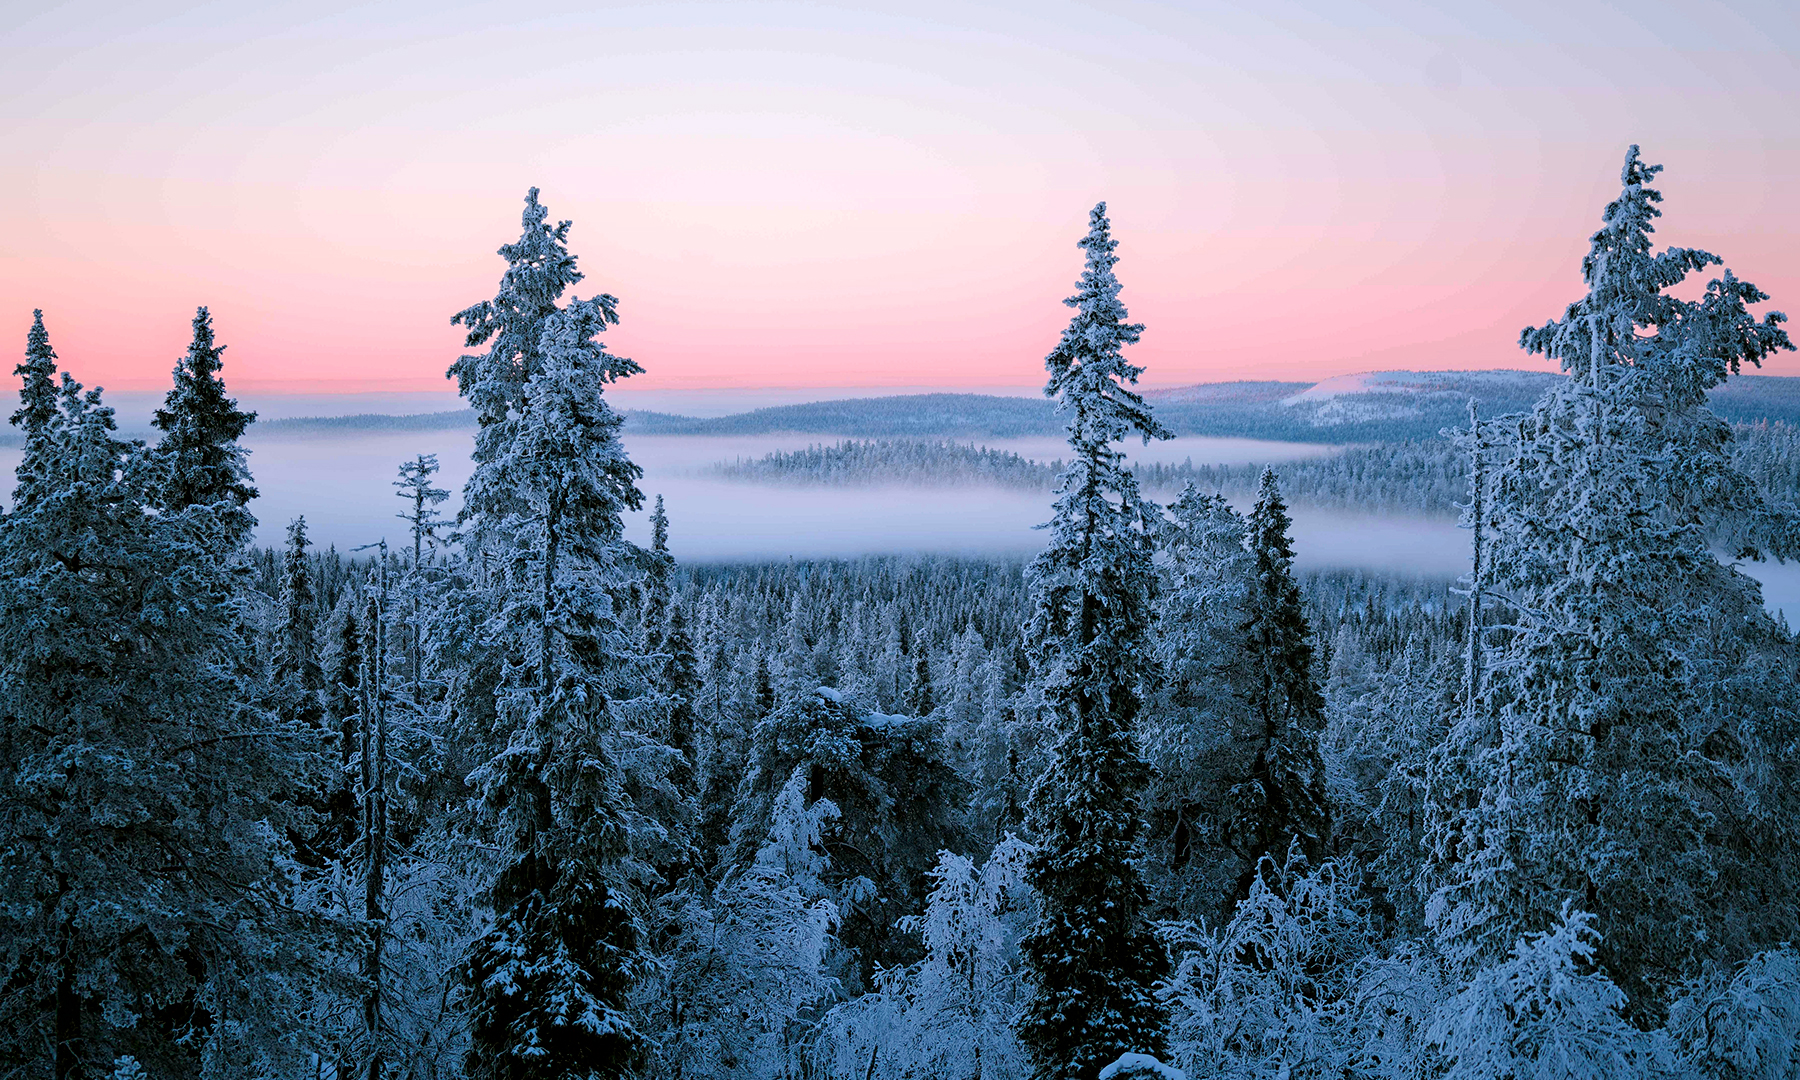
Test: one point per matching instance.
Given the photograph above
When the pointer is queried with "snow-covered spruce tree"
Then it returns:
(36, 414)
(919, 699)
(1091, 955)
(516, 328)
(143, 900)
(658, 567)
(549, 982)
(539, 268)
(202, 461)
(1388, 715)
(1281, 803)
(1638, 696)
(296, 654)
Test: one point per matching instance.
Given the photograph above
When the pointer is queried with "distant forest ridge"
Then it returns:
(1425, 477)
(1379, 407)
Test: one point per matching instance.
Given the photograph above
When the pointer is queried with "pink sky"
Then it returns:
(865, 195)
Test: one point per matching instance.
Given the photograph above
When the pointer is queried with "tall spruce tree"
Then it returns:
(296, 652)
(658, 590)
(1281, 803)
(550, 981)
(201, 459)
(36, 415)
(1638, 697)
(1091, 955)
(539, 268)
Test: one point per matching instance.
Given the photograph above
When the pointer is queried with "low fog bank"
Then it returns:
(344, 487)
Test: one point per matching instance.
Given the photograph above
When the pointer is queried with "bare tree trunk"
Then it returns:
(375, 824)
(1477, 514)
(68, 1009)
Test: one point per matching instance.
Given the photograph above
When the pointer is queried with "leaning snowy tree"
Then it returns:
(1091, 956)
(1627, 752)
(549, 982)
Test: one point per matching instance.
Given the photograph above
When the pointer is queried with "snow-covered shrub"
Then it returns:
(1277, 990)
(748, 960)
(951, 1014)
(1544, 1014)
(1746, 1028)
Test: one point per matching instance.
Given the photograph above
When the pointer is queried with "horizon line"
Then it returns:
(697, 384)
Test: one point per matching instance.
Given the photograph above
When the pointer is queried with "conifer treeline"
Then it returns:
(519, 798)
(1427, 478)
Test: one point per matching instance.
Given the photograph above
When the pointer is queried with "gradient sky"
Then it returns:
(867, 195)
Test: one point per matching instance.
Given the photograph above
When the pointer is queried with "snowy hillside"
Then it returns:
(1382, 406)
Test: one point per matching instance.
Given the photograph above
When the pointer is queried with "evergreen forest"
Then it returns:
(516, 798)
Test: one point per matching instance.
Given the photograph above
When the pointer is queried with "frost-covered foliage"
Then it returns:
(1743, 1024)
(952, 1013)
(741, 985)
(528, 800)
(893, 796)
(144, 802)
(1299, 983)
(1618, 755)
(38, 411)
(539, 268)
(1198, 727)
(549, 982)
(1545, 1013)
(1091, 955)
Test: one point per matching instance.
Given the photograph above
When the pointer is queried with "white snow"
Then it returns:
(1130, 1065)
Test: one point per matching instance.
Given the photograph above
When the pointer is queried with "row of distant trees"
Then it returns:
(1429, 478)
